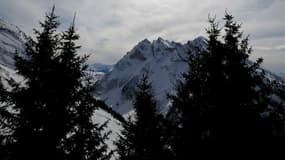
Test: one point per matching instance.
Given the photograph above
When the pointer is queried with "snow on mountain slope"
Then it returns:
(11, 40)
(164, 62)
(7, 73)
(113, 125)
(97, 70)
(161, 60)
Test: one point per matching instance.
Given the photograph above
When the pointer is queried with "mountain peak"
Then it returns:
(160, 39)
(162, 42)
(200, 42)
(144, 41)
(161, 59)
(200, 38)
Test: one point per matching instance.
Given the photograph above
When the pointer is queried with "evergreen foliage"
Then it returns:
(54, 106)
(142, 137)
(220, 101)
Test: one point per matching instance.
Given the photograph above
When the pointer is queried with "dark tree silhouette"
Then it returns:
(34, 135)
(220, 101)
(142, 138)
(54, 106)
(86, 140)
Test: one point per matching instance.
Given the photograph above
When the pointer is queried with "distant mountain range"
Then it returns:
(99, 67)
(162, 60)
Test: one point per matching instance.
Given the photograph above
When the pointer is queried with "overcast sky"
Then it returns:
(110, 28)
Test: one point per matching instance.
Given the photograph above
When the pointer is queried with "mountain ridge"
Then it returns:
(163, 61)
(160, 59)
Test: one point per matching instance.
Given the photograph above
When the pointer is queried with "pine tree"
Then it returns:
(142, 137)
(126, 143)
(54, 107)
(186, 116)
(86, 139)
(237, 103)
(35, 101)
(219, 102)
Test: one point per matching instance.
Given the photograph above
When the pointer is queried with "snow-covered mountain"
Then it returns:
(163, 61)
(11, 41)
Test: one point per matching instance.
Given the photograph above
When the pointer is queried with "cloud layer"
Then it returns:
(109, 28)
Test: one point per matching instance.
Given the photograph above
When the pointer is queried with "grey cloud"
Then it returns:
(109, 28)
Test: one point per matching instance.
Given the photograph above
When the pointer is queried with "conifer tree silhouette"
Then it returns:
(142, 138)
(54, 107)
(219, 102)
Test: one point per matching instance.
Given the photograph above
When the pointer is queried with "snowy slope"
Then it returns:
(11, 40)
(162, 60)
(113, 125)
